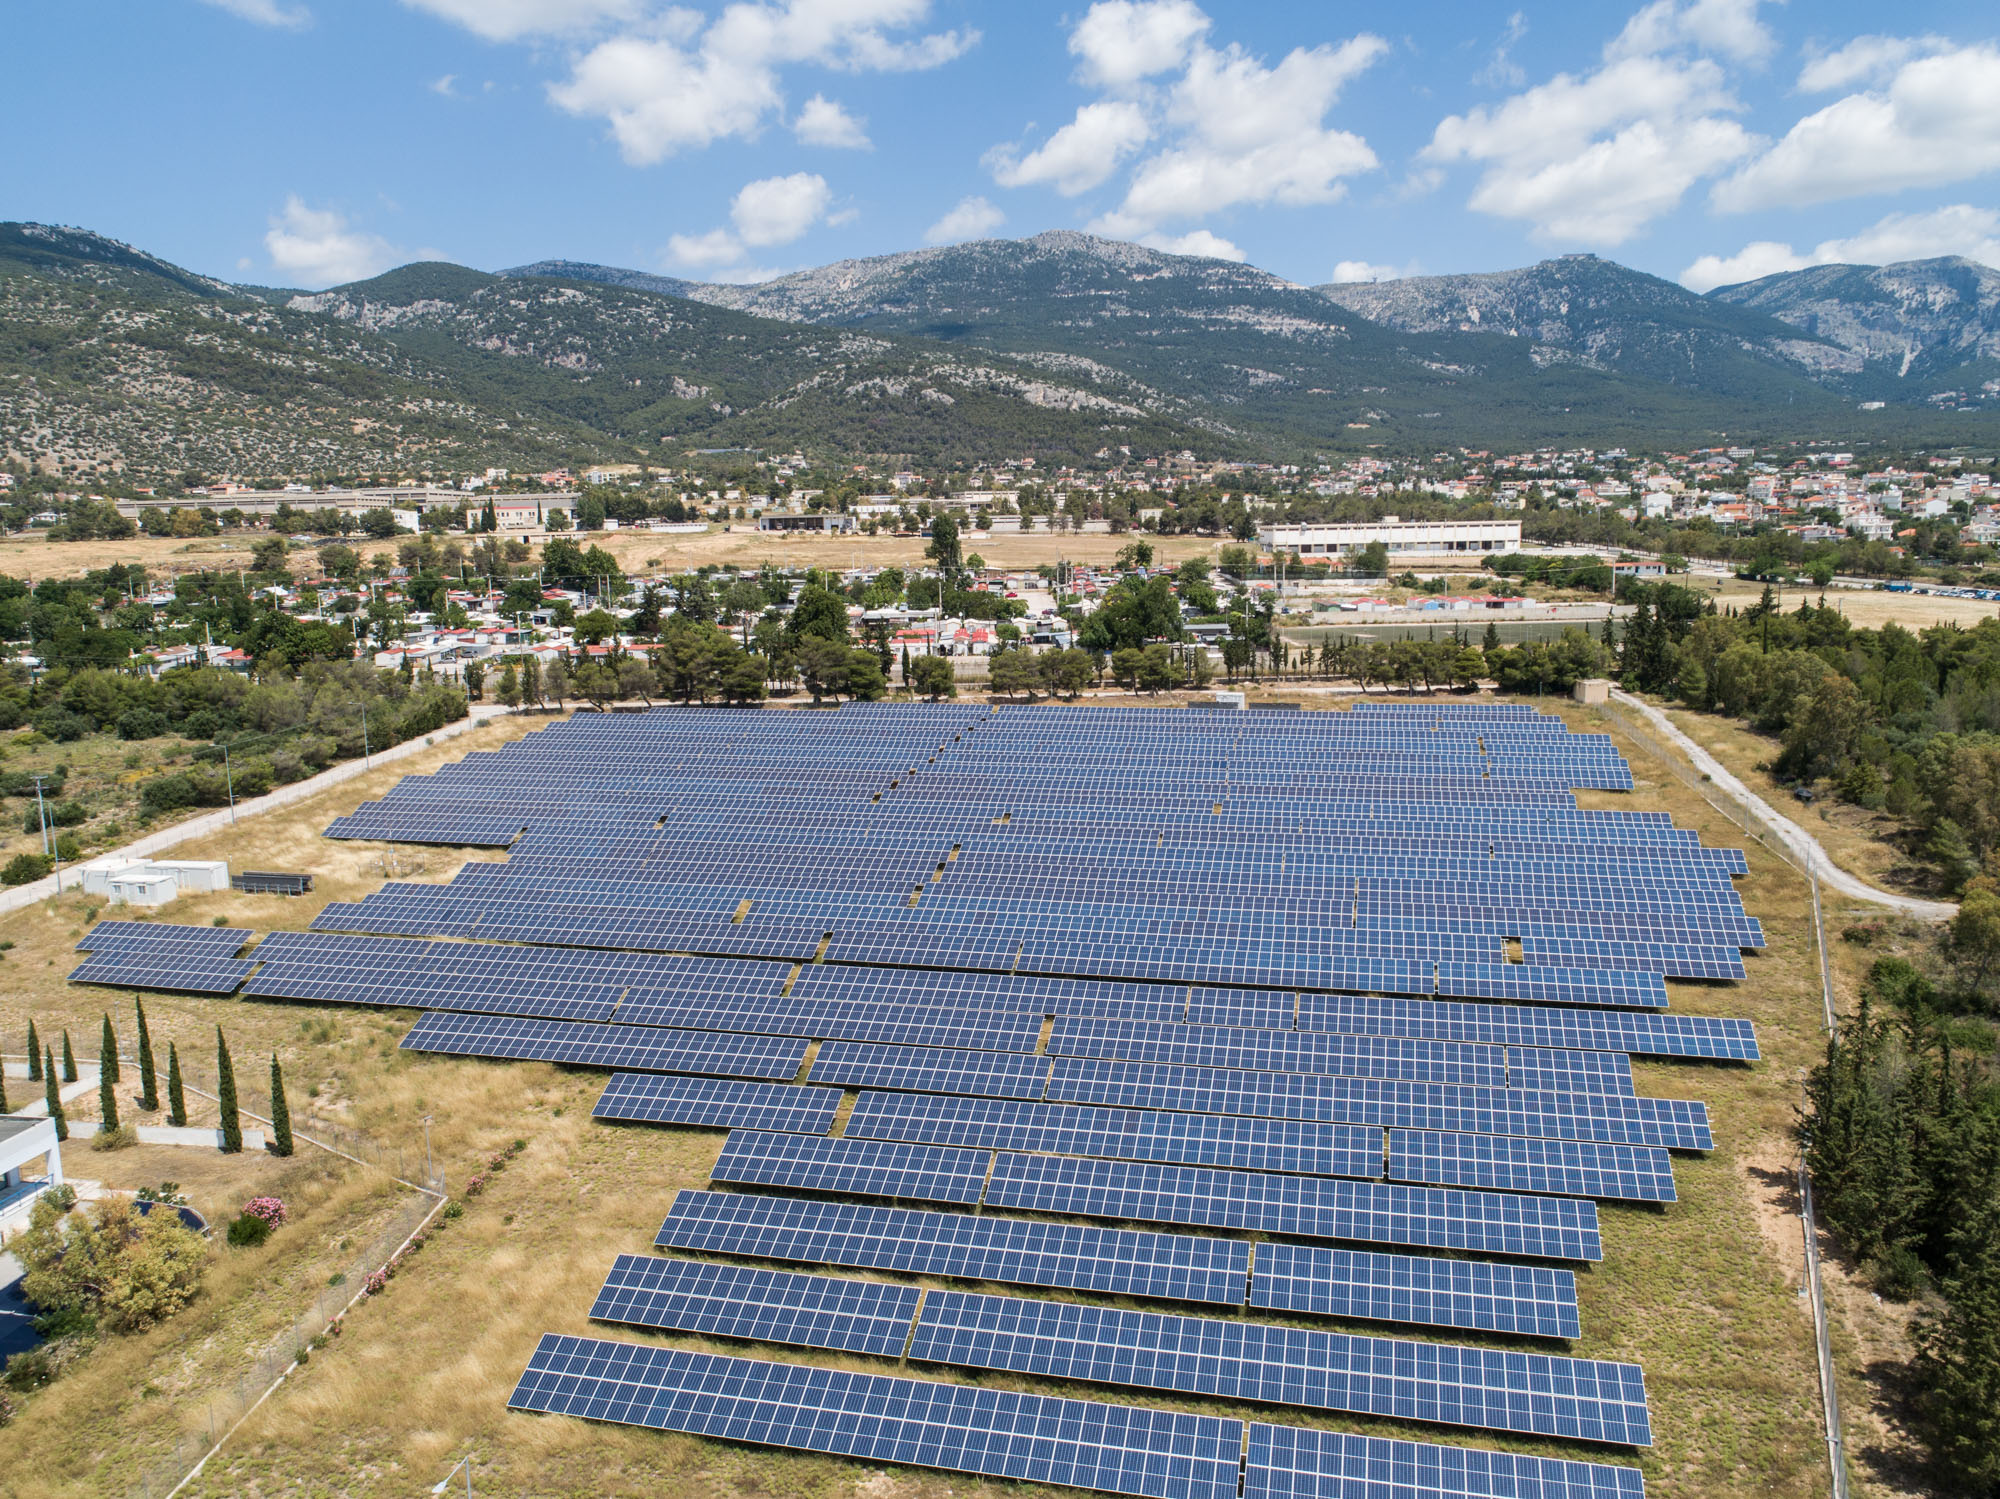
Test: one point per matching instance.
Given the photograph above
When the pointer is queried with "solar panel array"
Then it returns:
(1335, 1010)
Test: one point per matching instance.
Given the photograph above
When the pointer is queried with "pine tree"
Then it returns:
(107, 1051)
(149, 1082)
(1958, 1362)
(177, 1106)
(107, 1098)
(225, 1091)
(281, 1113)
(69, 1060)
(1491, 642)
(34, 1054)
(53, 1097)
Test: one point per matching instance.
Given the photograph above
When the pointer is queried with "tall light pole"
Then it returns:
(430, 1175)
(229, 780)
(444, 1483)
(366, 761)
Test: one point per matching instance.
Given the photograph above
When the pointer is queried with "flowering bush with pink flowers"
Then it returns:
(270, 1209)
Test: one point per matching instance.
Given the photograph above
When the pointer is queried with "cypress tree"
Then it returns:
(225, 1089)
(177, 1107)
(107, 1098)
(281, 1112)
(69, 1060)
(149, 1082)
(53, 1097)
(34, 1054)
(4, 1106)
(107, 1051)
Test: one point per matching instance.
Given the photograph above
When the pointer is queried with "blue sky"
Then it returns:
(308, 142)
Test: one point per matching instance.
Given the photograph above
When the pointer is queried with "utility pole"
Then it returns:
(229, 780)
(42, 814)
(366, 760)
(429, 1174)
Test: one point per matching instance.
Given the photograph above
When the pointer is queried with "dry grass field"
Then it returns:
(1704, 1293)
(1869, 609)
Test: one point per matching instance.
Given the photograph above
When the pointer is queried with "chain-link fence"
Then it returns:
(220, 1413)
(1822, 1341)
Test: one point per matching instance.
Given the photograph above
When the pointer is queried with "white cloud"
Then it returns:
(316, 247)
(1866, 59)
(266, 12)
(510, 20)
(1349, 271)
(777, 210)
(679, 82)
(1248, 134)
(1224, 129)
(1081, 154)
(717, 247)
(823, 122)
(1196, 242)
(1596, 158)
(1938, 121)
(969, 218)
(1728, 28)
(1959, 229)
(444, 86)
(770, 211)
(1502, 70)
(1124, 41)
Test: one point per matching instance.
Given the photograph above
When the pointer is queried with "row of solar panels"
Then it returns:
(1389, 1103)
(1143, 1021)
(1026, 1438)
(1237, 1142)
(1437, 1383)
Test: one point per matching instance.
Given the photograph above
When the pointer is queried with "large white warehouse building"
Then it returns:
(1406, 540)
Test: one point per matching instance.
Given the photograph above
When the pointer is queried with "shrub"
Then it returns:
(66, 1322)
(270, 1209)
(142, 723)
(118, 1138)
(167, 793)
(25, 869)
(454, 1210)
(248, 1231)
(62, 724)
(126, 1269)
(203, 723)
(62, 1198)
(68, 849)
(31, 1370)
(69, 814)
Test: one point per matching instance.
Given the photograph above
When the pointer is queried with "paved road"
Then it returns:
(1794, 837)
(22, 896)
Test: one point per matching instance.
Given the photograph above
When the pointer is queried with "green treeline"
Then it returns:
(1901, 1132)
(1897, 720)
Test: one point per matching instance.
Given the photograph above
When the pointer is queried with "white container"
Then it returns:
(98, 874)
(196, 876)
(142, 888)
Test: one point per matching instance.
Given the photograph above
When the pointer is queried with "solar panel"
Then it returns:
(1528, 1300)
(1580, 1399)
(1291, 1462)
(1577, 1168)
(1008, 1251)
(1550, 1228)
(769, 1306)
(868, 1168)
(997, 1433)
(855, 1064)
(628, 1047)
(717, 1103)
(1126, 1134)
(172, 969)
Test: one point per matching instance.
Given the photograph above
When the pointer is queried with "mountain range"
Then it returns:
(1062, 345)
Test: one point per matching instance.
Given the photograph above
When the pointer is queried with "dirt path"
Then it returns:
(1794, 837)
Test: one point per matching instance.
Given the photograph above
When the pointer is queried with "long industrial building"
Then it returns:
(1407, 540)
